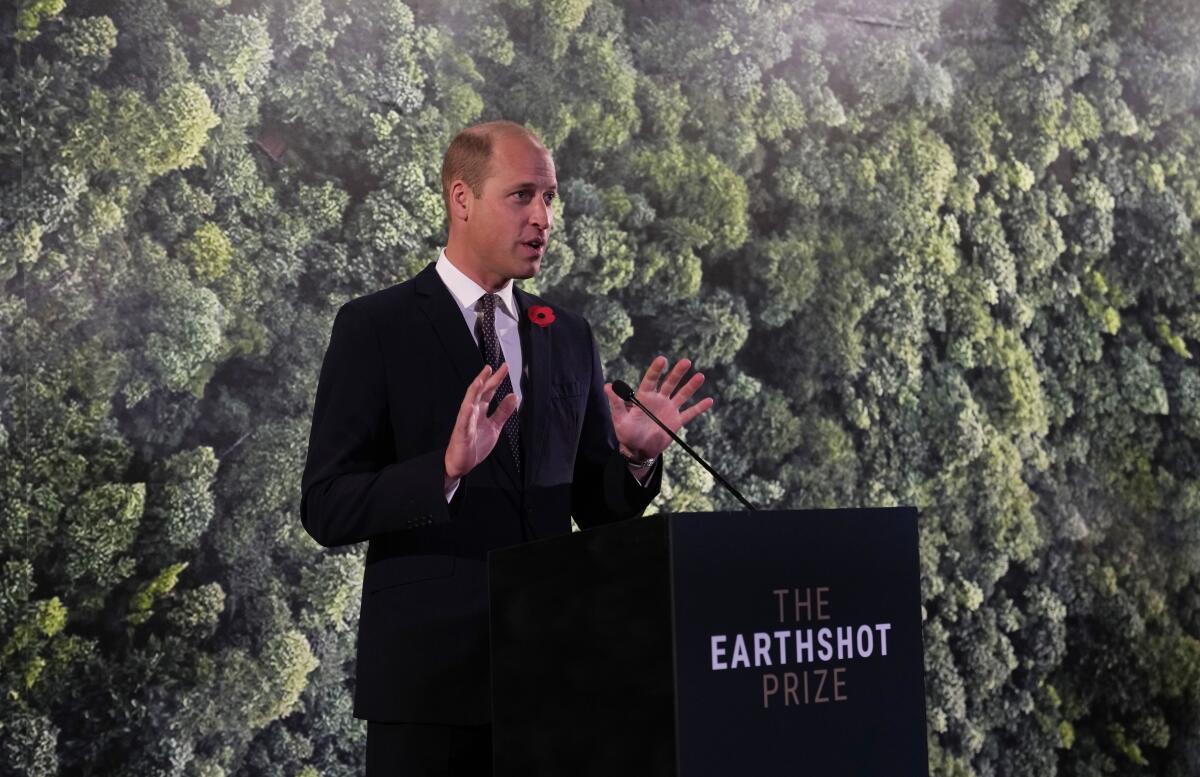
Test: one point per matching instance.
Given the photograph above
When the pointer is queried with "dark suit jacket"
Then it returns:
(398, 364)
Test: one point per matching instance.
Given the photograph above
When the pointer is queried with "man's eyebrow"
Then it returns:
(532, 185)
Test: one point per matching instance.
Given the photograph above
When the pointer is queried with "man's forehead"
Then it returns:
(516, 158)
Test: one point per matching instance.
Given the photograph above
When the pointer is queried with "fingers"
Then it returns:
(685, 392)
(479, 391)
(473, 436)
(675, 375)
(653, 373)
(472, 394)
(702, 406)
(491, 384)
(458, 460)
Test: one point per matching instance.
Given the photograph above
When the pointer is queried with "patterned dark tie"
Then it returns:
(489, 344)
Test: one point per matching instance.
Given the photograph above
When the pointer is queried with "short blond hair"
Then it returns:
(469, 155)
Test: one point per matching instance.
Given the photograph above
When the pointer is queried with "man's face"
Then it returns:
(507, 226)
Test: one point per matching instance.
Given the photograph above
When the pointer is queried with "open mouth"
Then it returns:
(537, 244)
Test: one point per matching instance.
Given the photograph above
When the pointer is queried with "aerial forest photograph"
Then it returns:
(931, 254)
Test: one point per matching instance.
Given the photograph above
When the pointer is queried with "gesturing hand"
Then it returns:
(475, 432)
(641, 438)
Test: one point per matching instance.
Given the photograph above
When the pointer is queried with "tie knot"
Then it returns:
(487, 304)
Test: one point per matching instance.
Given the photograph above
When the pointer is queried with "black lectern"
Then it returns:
(766, 643)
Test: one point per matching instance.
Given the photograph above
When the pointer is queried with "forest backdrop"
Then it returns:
(933, 253)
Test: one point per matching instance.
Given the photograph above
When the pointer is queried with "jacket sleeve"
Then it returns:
(603, 490)
(353, 488)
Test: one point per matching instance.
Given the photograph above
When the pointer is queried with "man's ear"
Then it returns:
(460, 200)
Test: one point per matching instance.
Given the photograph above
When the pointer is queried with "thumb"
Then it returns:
(615, 403)
(507, 407)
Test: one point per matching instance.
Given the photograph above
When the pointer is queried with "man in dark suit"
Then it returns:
(418, 447)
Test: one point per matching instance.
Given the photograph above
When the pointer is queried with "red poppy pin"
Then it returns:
(542, 315)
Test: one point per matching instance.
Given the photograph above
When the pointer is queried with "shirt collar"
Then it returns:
(467, 292)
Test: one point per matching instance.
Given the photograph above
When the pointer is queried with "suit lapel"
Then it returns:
(446, 319)
(535, 344)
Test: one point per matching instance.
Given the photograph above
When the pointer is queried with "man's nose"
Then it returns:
(542, 216)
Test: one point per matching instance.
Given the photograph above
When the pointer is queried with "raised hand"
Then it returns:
(641, 438)
(475, 432)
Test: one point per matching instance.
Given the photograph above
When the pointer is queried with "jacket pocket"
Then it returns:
(401, 570)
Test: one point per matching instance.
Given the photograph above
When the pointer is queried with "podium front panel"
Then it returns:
(797, 638)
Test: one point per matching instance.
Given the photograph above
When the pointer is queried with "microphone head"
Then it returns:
(622, 390)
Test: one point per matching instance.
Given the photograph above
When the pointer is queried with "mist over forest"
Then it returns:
(932, 253)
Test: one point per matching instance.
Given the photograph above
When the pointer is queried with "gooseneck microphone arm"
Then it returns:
(622, 390)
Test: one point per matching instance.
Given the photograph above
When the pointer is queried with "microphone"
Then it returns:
(622, 390)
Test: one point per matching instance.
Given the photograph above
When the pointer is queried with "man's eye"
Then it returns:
(550, 197)
(523, 195)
